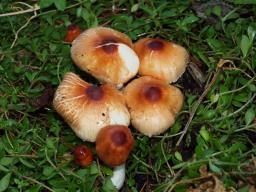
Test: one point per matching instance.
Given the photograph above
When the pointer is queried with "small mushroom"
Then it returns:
(83, 156)
(153, 104)
(106, 54)
(72, 33)
(88, 108)
(161, 59)
(113, 144)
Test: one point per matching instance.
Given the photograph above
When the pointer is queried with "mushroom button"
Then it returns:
(72, 33)
(113, 144)
(161, 59)
(83, 156)
(153, 104)
(106, 54)
(87, 108)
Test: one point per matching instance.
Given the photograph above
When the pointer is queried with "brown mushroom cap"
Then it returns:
(113, 144)
(153, 104)
(161, 59)
(106, 54)
(87, 108)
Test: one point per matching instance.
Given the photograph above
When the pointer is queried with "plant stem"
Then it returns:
(207, 89)
(37, 182)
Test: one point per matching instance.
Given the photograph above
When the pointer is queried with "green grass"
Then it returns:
(36, 144)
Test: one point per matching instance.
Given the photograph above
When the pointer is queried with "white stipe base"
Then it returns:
(118, 176)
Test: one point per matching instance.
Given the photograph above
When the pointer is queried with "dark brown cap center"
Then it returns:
(152, 93)
(119, 138)
(109, 46)
(94, 93)
(156, 45)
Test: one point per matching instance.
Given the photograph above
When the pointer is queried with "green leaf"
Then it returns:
(238, 146)
(4, 169)
(47, 171)
(135, 7)
(107, 170)
(251, 33)
(214, 98)
(45, 3)
(60, 4)
(245, 45)
(249, 116)
(108, 186)
(27, 163)
(217, 10)
(94, 168)
(79, 11)
(4, 182)
(214, 168)
(178, 155)
(5, 161)
(190, 19)
(204, 133)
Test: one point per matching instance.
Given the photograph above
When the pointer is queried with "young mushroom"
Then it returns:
(113, 144)
(88, 108)
(153, 104)
(106, 54)
(72, 33)
(83, 155)
(161, 59)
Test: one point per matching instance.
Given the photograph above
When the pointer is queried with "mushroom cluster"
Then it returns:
(103, 113)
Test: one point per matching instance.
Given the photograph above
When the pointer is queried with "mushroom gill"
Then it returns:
(87, 108)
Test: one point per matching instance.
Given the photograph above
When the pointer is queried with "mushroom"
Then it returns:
(106, 54)
(113, 144)
(153, 104)
(88, 108)
(161, 59)
(83, 156)
(72, 33)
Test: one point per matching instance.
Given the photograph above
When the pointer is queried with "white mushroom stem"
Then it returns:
(118, 176)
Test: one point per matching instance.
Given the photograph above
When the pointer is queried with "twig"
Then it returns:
(32, 9)
(37, 182)
(237, 111)
(247, 127)
(142, 162)
(166, 160)
(23, 155)
(240, 88)
(25, 25)
(173, 179)
(100, 172)
(207, 89)
(25, 4)
(51, 163)
(188, 181)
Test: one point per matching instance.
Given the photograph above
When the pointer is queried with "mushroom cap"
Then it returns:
(106, 54)
(83, 156)
(161, 59)
(153, 104)
(87, 108)
(113, 144)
